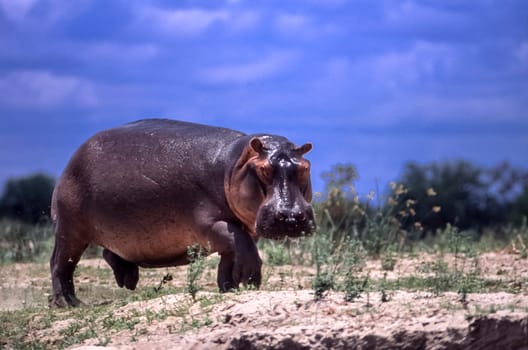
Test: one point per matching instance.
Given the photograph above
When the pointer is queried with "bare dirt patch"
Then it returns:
(293, 320)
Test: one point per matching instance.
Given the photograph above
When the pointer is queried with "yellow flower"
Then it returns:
(400, 190)
(437, 208)
(431, 192)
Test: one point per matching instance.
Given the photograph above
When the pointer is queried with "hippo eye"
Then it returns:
(265, 172)
(304, 170)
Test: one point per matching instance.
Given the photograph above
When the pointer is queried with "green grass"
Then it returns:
(22, 242)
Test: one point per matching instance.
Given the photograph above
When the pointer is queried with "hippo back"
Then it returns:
(149, 178)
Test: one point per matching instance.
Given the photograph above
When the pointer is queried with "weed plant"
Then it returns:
(197, 264)
(277, 252)
(519, 238)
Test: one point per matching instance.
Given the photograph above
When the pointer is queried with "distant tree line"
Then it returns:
(464, 195)
(430, 196)
(28, 198)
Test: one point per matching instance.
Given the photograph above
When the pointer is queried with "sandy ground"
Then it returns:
(285, 315)
(293, 320)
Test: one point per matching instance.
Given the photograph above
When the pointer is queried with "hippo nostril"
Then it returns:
(293, 216)
(287, 216)
(290, 220)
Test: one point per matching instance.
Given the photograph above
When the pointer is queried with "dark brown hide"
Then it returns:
(148, 190)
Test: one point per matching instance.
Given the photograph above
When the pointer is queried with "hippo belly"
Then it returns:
(158, 247)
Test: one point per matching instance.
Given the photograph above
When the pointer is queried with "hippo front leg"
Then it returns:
(239, 258)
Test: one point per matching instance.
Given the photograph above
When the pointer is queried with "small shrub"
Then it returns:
(197, 264)
(277, 253)
(385, 296)
(388, 261)
(519, 239)
(322, 283)
(354, 286)
(167, 278)
(337, 263)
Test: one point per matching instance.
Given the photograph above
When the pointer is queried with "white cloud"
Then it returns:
(397, 69)
(43, 89)
(330, 3)
(416, 106)
(16, 10)
(244, 20)
(336, 75)
(522, 54)
(305, 26)
(195, 21)
(409, 14)
(469, 108)
(183, 22)
(378, 77)
(287, 23)
(49, 12)
(427, 81)
(261, 69)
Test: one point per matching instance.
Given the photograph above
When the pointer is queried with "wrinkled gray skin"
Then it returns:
(148, 190)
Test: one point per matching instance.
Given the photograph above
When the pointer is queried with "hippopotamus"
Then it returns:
(149, 190)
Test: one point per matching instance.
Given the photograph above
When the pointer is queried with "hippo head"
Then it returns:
(269, 188)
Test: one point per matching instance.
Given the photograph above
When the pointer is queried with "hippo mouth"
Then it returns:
(278, 226)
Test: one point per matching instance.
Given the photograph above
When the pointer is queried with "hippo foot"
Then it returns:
(247, 263)
(126, 273)
(61, 301)
(248, 273)
(236, 269)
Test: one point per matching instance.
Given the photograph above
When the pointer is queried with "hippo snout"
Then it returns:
(277, 223)
(292, 217)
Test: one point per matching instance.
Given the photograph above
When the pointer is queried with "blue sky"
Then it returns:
(372, 83)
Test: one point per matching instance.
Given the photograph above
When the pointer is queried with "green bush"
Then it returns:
(27, 198)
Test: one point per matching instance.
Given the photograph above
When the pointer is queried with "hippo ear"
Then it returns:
(307, 147)
(256, 145)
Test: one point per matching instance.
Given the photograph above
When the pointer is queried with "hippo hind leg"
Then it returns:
(64, 259)
(126, 273)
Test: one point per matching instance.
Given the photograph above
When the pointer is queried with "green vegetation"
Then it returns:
(197, 265)
(20, 241)
(467, 196)
(441, 217)
(27, 199)
(352, 231)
